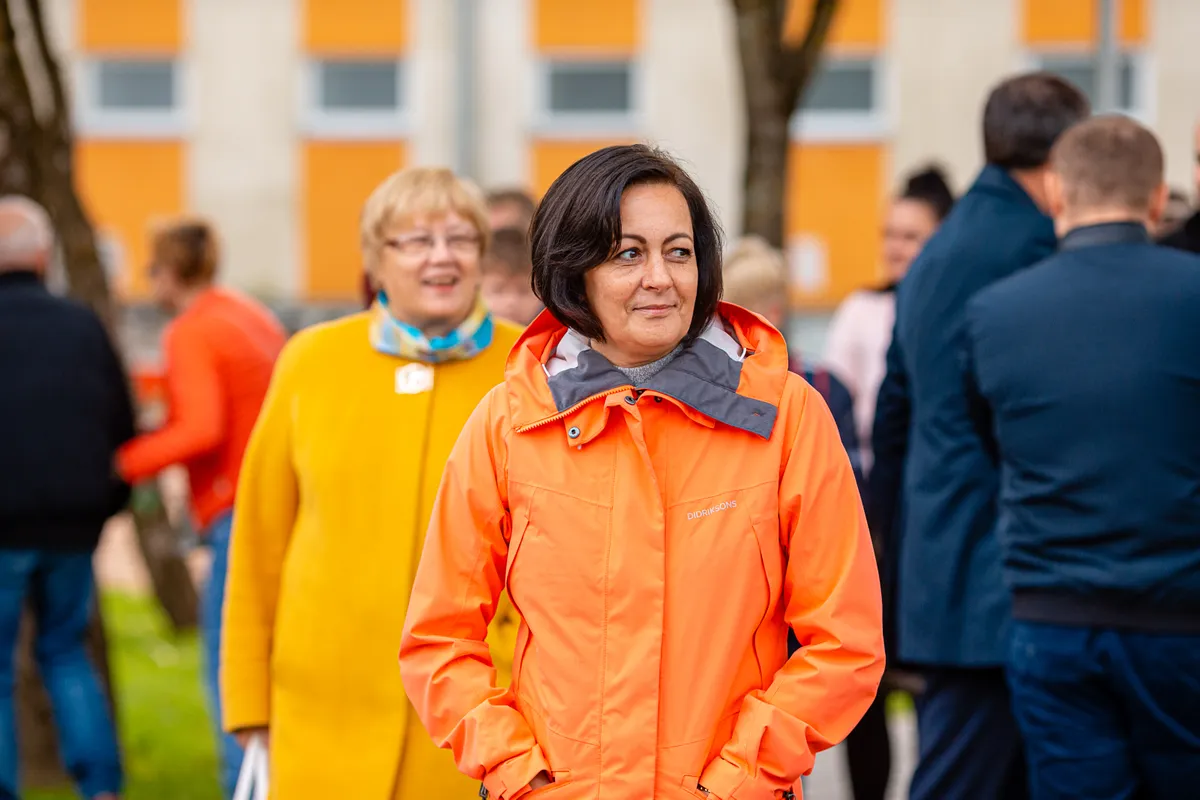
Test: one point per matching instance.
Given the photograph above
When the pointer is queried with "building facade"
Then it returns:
(275, 118)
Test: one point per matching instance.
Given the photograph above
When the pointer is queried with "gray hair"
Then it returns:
(26, 233)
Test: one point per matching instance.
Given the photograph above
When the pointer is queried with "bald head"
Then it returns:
(26, 236)
(1108, 165)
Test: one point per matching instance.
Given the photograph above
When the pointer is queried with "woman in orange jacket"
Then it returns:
(663, 500)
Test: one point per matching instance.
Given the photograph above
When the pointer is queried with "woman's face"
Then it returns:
(909, 224)
(645, 294)
(429, 267)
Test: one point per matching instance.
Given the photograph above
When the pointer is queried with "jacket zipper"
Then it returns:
(569, 411)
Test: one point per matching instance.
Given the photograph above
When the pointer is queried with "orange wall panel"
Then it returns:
(338, 177)
(355, 27)
(131, 26)
(857, 24)
(836, 194)
(1074, 22)
(126, 185)
(608, 26)
(551, 158)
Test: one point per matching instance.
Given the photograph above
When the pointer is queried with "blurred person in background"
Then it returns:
(218, 354)
(756, 278)
(336, 492)
(856, 351)
(1186, 235)
(64, 410)
(861, 328)
(510, 208)
(1087, 371)
(507, 270)
(932, 486)
(1174, 215)
(665, 501)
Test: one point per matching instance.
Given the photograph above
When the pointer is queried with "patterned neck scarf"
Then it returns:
(392, 337)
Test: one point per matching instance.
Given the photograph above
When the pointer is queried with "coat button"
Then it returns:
(630, 399)
(573, 433)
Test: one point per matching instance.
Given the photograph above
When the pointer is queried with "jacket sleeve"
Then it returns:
(978, 408)
(832, 604)
(121, 423)
(267, 498)
(444, 659)
(195, 422)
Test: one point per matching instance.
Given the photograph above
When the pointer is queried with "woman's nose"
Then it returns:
(656, 274)
(440, 251)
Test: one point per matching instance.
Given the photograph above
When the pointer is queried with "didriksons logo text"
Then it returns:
(707, 512)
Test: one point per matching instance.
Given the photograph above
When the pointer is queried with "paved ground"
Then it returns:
(830, 782)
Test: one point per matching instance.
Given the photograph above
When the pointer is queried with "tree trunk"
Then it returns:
(765, 180)
(37, 160)
(775, 74)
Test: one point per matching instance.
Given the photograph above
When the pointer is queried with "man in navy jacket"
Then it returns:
(1089, 366)
(952, 609)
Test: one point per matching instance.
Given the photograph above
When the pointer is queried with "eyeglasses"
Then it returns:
(422, 244)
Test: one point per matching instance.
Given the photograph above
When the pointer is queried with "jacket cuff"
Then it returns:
(246, 702)
(511, 778)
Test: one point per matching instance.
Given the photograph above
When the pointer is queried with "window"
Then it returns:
(589, 96)
(1080, 70)
(131, 97)
(844, 100)
(842, 87)
(355, 97)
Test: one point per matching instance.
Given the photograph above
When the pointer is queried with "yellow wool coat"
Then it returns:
(335, 493)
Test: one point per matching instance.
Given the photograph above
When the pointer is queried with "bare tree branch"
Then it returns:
(61, 116)
(800, 61)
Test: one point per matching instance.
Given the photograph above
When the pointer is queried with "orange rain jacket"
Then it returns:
(657, 543)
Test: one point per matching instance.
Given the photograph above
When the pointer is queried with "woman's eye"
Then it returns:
(628, 254)
(681, 252)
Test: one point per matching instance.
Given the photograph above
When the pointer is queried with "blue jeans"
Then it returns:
(59, 586)
(1107, 714)
(229, 754)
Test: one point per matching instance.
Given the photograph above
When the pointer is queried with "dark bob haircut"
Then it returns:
(1025, 115)
(578, 227)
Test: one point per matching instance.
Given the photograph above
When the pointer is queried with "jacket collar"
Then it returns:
(20, 277)
(1104, 234)
(996, 180)
(734, 373)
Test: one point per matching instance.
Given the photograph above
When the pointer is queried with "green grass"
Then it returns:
(166, 737)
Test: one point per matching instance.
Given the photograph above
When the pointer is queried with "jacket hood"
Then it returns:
(734, 374)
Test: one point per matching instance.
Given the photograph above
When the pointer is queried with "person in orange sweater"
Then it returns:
(219, 350)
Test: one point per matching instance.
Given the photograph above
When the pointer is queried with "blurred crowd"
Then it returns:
(992, 471)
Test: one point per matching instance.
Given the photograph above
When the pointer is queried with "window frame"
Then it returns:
(96, 122)
(317, 122)
(587, 124)
(1143, 107)
(808, 125)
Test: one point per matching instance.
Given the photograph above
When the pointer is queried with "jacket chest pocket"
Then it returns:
(732, 537)
(556, 576)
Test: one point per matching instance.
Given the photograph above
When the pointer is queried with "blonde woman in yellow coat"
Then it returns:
(335, 493)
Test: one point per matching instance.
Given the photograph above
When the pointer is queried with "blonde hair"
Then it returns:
(187, 246)
(419, 190)
(755, 273)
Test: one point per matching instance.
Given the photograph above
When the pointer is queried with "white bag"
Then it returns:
(252, 781)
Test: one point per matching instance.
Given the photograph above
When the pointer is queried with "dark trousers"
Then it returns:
(1107, 714)
(970, 748)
